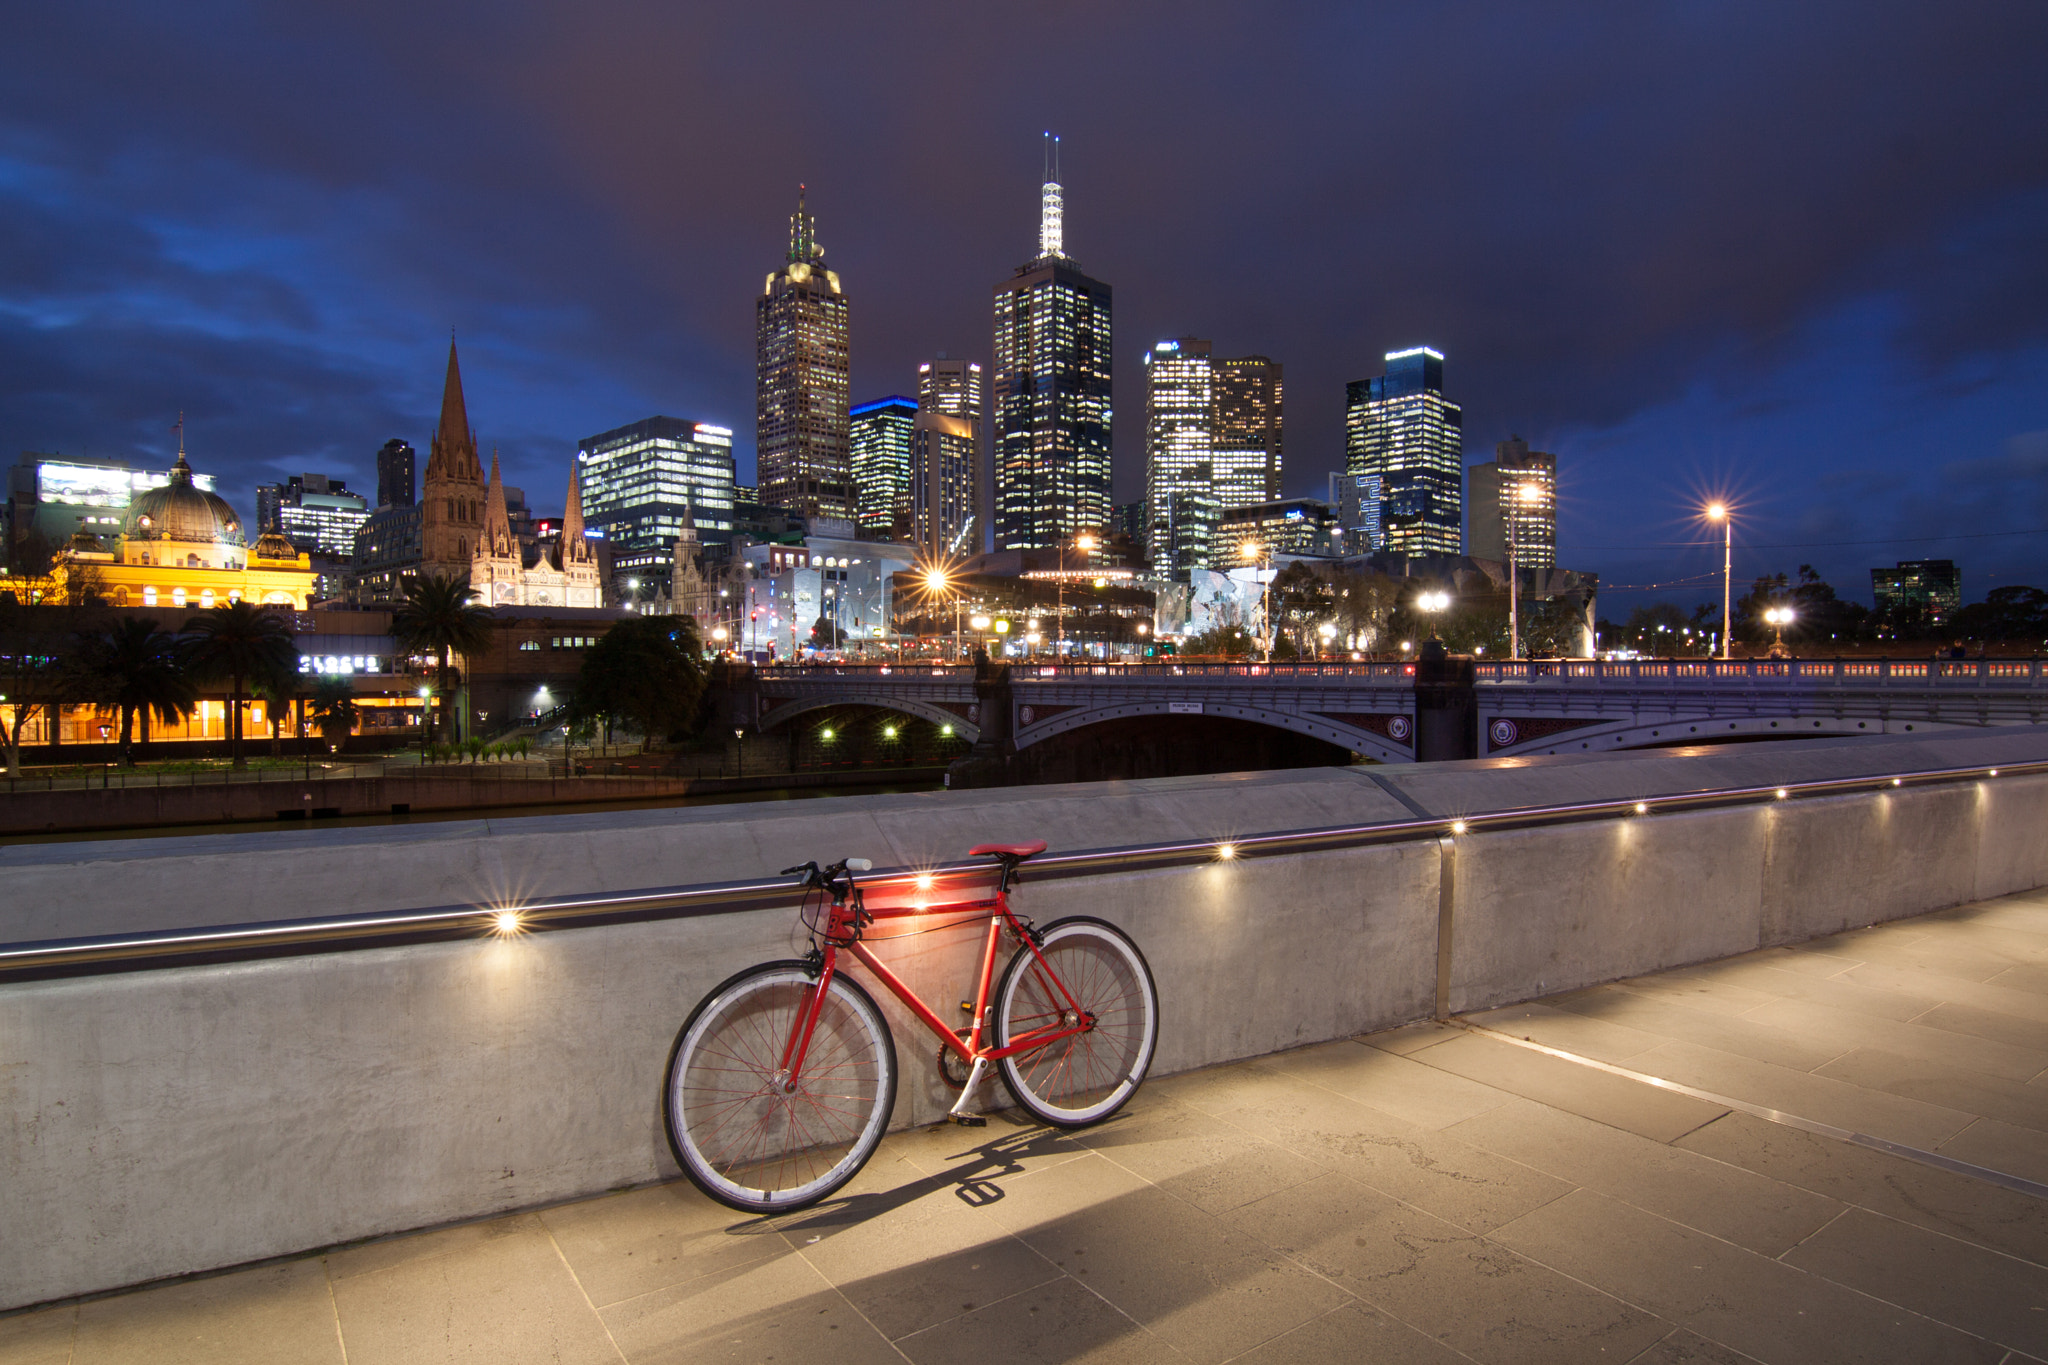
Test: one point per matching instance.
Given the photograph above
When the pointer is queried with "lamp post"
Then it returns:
(1526, 495)
(1432, 602)
(1261, 555)
(1779, 618)
(1084, 543)
(1719, 512)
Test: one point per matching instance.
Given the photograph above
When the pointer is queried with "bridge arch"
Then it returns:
(1350, 737)
(777, 716)
(1605, 735)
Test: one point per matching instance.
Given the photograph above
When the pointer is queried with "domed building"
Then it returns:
(181, 546)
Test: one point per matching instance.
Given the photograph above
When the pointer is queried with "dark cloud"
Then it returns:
(1626, 225)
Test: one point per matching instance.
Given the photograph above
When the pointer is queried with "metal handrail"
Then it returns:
(2022, 673)
(222, 943)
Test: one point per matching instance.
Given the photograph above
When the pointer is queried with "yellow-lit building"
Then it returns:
(181, 546)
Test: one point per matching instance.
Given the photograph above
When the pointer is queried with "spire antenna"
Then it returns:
(1051, 203)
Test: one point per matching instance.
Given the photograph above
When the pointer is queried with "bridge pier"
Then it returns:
(992, 760)
(1446, 705)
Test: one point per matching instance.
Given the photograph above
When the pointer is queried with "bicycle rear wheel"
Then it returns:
(1084, 1077)
(743, 1136)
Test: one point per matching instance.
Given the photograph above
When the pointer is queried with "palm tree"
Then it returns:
(438, 617)
(334, 709)
(233, 644)
(278, 690)
(134, 667)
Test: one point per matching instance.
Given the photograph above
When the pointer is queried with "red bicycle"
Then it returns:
(782, 1081)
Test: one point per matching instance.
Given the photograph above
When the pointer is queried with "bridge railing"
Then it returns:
(1024, 670)
(1914, 673)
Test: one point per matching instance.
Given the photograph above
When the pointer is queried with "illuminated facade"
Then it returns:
(1934, 584)
(1212, 442)
(182, 546)
(1295, 526)
(1517, 487)
(954, 389)
(802, 381)
(1400, 429)
(881, 437)
(643, 484)
(58, 497)
(943, 456)
(1051, 394)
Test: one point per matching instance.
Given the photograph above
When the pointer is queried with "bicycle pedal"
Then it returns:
(969, 1120)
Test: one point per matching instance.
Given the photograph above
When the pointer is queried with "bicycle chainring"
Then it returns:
(952, 1070)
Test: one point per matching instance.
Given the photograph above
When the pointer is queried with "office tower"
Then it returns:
(1291, 526)
(1212, 443)
(1400, 429)
(1051, 402)
(954, 388)
(1181, 496)
(1246, 434)
(1934, 585)
(269, 497)
(1521, 484)
(943, 456)
(395, 474)
(643, 485)
(880, 440)
(316, 514)
(802, 381)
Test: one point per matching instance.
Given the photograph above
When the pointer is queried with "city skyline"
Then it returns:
(1849, 357)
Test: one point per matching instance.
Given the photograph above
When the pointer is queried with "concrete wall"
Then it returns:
(158, 1123)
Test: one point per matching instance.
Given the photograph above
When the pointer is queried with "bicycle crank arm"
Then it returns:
(958, 1113)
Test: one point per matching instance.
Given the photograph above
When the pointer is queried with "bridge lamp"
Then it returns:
(888, 732)
(826, 734)
(945, 729)
(978, 622)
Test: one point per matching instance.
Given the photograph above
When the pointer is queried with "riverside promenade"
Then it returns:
(1436, 1193)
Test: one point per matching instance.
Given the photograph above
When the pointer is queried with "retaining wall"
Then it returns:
(163, 1122)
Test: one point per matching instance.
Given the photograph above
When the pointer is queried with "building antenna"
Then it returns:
(1051, 203)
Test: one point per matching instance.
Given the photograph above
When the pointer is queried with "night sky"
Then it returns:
(1794, 255)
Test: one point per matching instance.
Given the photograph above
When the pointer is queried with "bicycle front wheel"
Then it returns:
(739, 1129)
(1089, 970)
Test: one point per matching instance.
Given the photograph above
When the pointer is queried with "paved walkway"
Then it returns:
(1433, 1194)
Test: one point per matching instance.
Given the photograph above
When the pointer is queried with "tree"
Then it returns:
(439, 616)
(278, 691)
(334, 709)
(134, 667)
(2013, 613)
(35, 642)
(1819, 617)
(646, 671)
(1227, 641)
(233, 644)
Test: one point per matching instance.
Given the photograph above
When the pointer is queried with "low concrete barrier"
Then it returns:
(162, 1122)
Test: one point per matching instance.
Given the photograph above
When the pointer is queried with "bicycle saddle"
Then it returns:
(1017, 851)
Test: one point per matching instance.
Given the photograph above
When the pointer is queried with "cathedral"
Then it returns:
(465, 531)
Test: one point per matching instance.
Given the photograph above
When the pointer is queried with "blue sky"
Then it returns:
(1788, 255)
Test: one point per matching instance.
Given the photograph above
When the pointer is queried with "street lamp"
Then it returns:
(1719, 512)
(1260, 555)
(1779, 618)
(938, 583)
(1526, 495)
(1084, 543)
(1432, 602)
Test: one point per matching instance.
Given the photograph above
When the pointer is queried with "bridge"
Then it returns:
(1508, 708)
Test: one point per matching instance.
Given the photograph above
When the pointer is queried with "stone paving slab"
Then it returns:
(1433, 1194)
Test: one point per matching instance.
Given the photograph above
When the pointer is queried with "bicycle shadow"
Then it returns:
(972, 1175)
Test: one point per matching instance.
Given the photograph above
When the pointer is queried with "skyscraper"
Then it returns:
(648, 483)
(1212, 443)
(1400, 429)
(880, 440)
(1051, 401)
(943, 456)
(1518, 485)
(1181, 502)
(953, 388)
(395, 474)
(1247, 434)
(802, 381)
(316, 514)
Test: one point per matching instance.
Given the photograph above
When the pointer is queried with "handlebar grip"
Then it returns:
(858, 864)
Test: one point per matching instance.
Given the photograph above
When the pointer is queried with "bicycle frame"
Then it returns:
(842, 933)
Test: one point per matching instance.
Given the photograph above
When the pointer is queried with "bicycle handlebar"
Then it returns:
(822, 876)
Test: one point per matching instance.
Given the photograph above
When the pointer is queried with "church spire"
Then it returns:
(574, 548)
(453, 440)
(496, 541)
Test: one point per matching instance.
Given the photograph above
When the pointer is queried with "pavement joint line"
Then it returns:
(2017, 1184)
